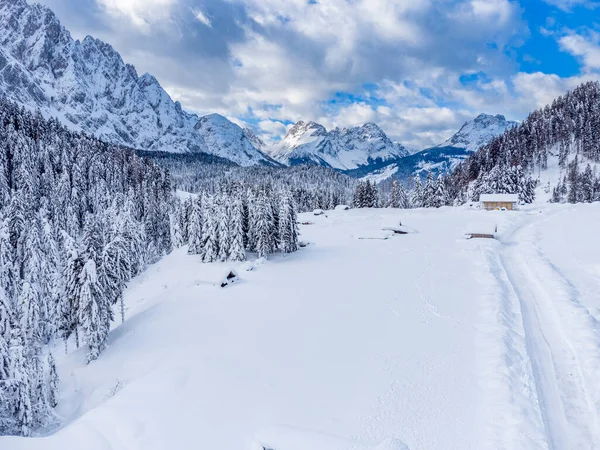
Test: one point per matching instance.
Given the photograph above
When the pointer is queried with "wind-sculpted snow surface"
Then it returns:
(421, 341)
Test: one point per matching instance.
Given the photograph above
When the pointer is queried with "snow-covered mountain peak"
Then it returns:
(221, 135)
(340, 148)
(479, 131)
(87, 86)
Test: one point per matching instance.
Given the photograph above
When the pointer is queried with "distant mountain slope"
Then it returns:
(558, 143)
(444, 157)
(343, 149)
(88, 87)
(479, 131)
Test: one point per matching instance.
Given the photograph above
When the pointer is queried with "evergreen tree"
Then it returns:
(195, 241)
(288, 228)
(417, 193)
(263, 227)
(210, 236)
(236, 226)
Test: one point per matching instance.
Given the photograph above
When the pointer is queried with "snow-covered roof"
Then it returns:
(481, 228)
(499, 198)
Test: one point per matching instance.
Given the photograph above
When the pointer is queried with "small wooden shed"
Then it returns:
(481, 230)
(492, 202)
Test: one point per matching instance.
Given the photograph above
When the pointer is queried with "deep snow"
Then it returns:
(426, 339)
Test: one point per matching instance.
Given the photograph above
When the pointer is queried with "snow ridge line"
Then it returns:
(566, 403)
(514, 418)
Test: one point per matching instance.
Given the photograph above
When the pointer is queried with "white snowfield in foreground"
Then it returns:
(421, 341)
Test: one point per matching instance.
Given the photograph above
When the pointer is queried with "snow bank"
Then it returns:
(342, 208)
(481, 228)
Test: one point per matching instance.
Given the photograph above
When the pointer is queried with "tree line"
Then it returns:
(78, 219)
(236, 219)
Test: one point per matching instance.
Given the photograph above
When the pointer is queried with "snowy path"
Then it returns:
(565, 399)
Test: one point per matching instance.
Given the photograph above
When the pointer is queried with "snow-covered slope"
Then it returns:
(430, 339)
(344, 149)
(479, 131)
(88, 87)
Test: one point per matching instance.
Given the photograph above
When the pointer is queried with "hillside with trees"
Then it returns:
(567, 132)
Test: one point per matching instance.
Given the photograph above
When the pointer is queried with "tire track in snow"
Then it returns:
(566, 402)
(514, 419)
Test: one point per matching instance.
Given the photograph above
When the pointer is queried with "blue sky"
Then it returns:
(418, 68)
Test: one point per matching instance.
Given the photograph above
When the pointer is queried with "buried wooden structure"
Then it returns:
(481, 231)
(398, 229)
(230, 277)
(216, 276)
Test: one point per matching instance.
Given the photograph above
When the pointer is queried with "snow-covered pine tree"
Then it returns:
(210, 231)
(263, 226)
(417, 193)
(195, 241)
(236, 227)
(95, 312)
(429, 191)
(223, 226)
(359, 196)
(288, 228)
(441, 194)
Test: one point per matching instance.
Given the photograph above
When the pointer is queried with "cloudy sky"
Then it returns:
(418, 68)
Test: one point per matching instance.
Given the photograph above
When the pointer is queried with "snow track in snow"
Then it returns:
(561, 342)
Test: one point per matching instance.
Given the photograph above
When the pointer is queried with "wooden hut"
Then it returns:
(500, 202)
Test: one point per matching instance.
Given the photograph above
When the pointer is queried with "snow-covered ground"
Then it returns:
(425, 339)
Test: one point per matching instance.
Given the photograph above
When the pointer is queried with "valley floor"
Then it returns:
(426, 339)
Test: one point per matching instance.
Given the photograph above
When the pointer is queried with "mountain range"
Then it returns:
(88, 87)
(343, 149)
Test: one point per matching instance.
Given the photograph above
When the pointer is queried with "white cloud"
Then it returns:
(202, 17)
(568, 5)
(141, 13)
(586, 48)
(272, 127)
(500, 11)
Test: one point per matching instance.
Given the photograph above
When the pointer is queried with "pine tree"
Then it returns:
(223, 227)
(288, 228)
(587, 185)
(195, 241)
(210, 236)
(236, 227)
(263, 227)
(429, 192)
(441, 195)
(417, 193)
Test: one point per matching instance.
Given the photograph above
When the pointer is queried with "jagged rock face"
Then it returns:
(344, 149)
(478, 132)
(87, 86)
(255, 140)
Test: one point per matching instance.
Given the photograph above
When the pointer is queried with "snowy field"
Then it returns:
(357, 342)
